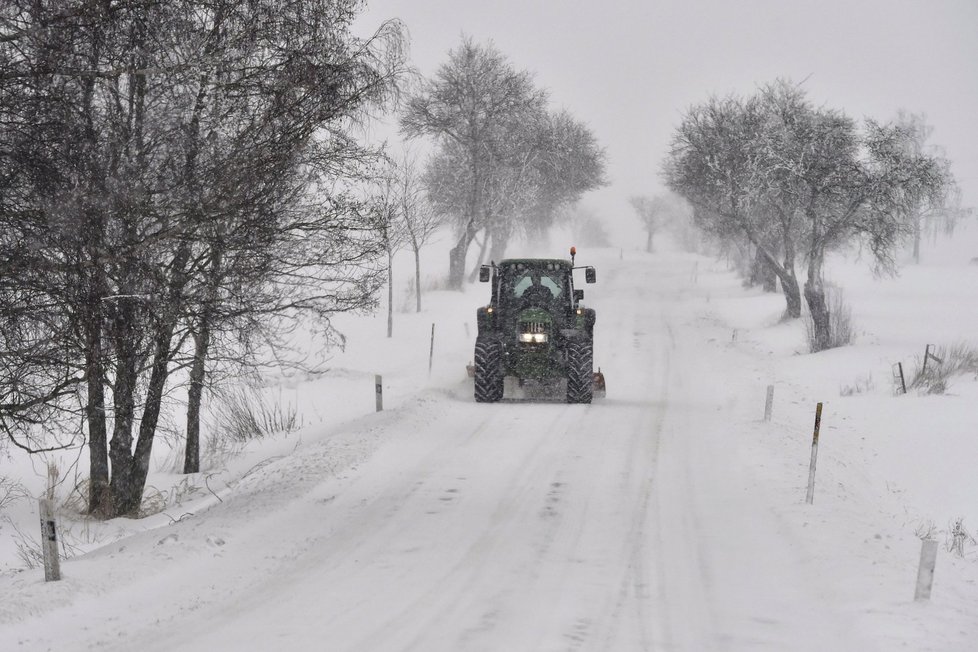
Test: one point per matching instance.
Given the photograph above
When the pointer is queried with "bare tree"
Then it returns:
(504, 164)
(717, 162)
(567, 163)
(474, 101)
(421, 221)
(652, 212)
(775, 163)
(927, 206)
(180, 183)
(386, 208)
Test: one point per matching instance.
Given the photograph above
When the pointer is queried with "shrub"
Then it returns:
(244, 414)
(957, 537)
(10, 492)
(156, 501)
(932, 377)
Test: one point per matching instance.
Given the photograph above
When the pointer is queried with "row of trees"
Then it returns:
(181, 187)
(178, 186)
(504, 163)
(797, 180)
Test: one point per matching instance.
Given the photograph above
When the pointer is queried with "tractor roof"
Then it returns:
(536, 262)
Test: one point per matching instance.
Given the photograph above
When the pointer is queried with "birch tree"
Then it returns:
(420, 220)
(180, 179)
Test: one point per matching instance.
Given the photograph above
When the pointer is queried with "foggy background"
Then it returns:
(629, 68)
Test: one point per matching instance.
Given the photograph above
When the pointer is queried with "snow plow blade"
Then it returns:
(598, 387)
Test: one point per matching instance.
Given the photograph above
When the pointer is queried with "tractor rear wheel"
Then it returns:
(580, 371)
(488, 370)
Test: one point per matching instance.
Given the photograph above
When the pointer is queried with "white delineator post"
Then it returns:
(810, 497)
(379, 391)
(769, 403)
(49, 541)
(925, 573)
(431, 351)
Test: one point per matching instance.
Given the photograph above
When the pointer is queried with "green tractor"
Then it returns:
(534, 330)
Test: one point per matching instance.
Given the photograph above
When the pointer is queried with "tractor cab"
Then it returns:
(534, 328)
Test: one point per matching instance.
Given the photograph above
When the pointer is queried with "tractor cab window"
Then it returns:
(522, 284)
(528, 278)
(551, 284)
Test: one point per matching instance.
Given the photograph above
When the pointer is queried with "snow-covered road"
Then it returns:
(443, 525)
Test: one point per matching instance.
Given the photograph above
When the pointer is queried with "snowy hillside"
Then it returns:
(668, 516)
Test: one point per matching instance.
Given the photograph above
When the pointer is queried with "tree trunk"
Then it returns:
(128, 500)
(191, 455)
(132, 494)
(198, 369)
(417, 273)
(100, 496)
(815, 297)
(390, 293)
(202, 340)
(821, 332)
(456, 264)
(124, 403)
(500, 240)
(456, 259)
(480, 259)
(789, 281)
(792, 295)
(916, 240)
(762, 273)
(786, 273)
(756, 267)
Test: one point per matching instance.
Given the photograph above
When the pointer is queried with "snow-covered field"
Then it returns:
(668, 516)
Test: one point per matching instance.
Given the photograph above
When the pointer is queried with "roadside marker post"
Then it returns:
(810, 497)
(769, 403)
(925, 572)
(431, 351)
(49, 541)
(379, 391)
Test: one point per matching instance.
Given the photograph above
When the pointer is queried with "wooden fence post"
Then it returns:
(769, 403)
(928, 354)
(899, 376)
(810, 497)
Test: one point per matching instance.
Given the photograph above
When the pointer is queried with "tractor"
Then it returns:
(535, 332)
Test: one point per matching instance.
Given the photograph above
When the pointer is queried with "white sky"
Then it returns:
(629, 68)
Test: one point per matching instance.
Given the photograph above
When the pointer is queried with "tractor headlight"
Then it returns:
(533, 338)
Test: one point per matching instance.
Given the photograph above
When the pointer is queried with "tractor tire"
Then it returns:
(488, 370)
(580, 371)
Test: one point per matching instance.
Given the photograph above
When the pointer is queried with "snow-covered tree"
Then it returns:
(503, 163)
(928, 207)
(776, 164)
